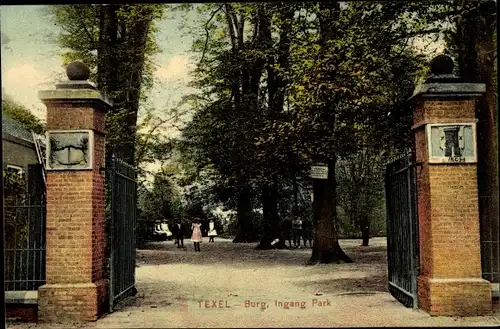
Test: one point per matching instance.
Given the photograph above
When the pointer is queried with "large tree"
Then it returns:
(226, 121)
(471, 40)
(117, 42)
(339, 90)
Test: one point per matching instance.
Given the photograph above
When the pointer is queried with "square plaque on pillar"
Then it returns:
(452, 143)
(70, 149)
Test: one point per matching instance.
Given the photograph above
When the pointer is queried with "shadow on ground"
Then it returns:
(224, 252)
(367, 284)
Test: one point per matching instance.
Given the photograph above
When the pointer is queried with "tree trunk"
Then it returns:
(326, 248)
(240, 90)
(134, 51)
(107, 83)
(244, 217)
(107, 78)
(269, 190)
(295, 191)
(477, 53)
(271, 219)
(365, 231)
(106, 54)
(123, 86)
(276, 86)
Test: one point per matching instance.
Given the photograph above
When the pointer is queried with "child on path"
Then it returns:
(196, 236)
(212, 232)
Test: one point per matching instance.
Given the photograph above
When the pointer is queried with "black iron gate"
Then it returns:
(122, 182)
(25, 214)
(402, 230)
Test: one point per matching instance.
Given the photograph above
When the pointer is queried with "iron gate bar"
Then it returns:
(412, 197)
(402, 229)
(25, 255)
(412, 242)
(112, 236)
(122, 237)
(410, 294)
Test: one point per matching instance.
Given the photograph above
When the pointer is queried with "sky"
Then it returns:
(31, 58)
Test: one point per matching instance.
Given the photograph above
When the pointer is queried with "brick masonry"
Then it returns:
(444, 111)
(71, 302)
(75, 115)
(76, 289)
(459, 297)
(450, 280)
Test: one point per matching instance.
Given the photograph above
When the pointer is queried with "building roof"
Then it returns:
(15, 129)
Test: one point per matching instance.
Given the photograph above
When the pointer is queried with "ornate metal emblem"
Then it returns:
(452, 142)
(70, 150)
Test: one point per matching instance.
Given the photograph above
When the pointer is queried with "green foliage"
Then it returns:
(16, 223)
(14, 186)
(228, 120)
(471, 38)
(360, 188)
(342, 96)
(154, 146)
(162, 202)
(23, 115)
(80, 37)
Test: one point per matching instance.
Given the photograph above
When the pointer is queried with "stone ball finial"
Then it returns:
(441, 65)
(77, 71)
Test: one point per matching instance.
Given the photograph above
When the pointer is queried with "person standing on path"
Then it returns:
(297, 231)
(179, 230)
(307, 232)
(211, 231)
(196, 237)
(286, 229)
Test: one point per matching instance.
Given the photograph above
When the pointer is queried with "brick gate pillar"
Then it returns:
(444, 120)
(75, 288)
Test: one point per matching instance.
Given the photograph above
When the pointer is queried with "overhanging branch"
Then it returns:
(207, 32)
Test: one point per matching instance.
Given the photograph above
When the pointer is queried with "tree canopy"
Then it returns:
(22, 114)
(280, 87)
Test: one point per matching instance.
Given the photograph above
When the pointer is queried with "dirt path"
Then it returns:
(179, 288)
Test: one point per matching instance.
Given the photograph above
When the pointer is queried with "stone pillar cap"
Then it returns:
(443, 82)
(82, 94)
(77, 87)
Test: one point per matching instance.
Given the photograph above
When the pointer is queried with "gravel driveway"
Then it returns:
(232, 285)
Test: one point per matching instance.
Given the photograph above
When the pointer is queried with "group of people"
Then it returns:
(179, 230)
(293, 230)
(296, 230)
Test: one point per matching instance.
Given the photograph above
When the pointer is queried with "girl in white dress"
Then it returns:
(211, 232)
